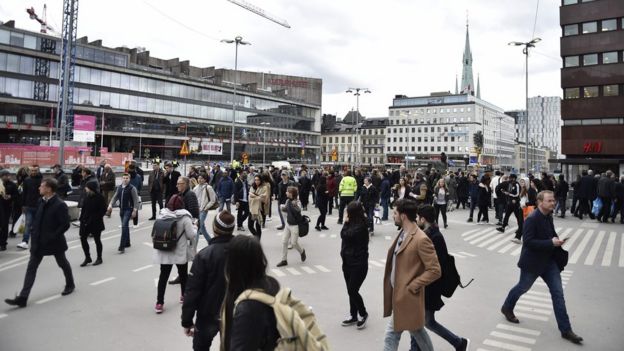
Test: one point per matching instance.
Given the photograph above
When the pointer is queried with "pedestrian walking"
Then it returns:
(248, 324)
(441, 195)
(618, 201)
(282, 196)
(332, 189)
(30, 199)
(206, 199)
(188, 196)
(463, 188)
(512, 198)
(128, 199)
(473, 191)
(587, 192)
(354, 254)
(170, 181)
(49, 224)
(411, 265)
(561, 194)
(369, 198)
(305, 186)
(225, 190)
(63, 182)
(259, 194)
(107, 183)
(156, 186)
(136, 179)
(323, 202)
(484, 199)
(542, 256)
(606, 192)
(433, 292)
(267, 180)
(241, 199)
(451, 186)
(384, 194)
(206, 285)
(8, 197)
(182, 253)
(292, 209)
(346, 190)
(92, 223)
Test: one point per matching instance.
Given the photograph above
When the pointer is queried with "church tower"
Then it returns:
(467, 84)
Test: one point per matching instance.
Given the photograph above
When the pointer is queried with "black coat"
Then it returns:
(462, 187)
(305, 185)
(63, 184)
(433, 291)
(205, 288)
(49, 226)
(92, 213)
(238, 190)
(485, 195)
(170, 182)
(190, 203)
(561, 190)
(321, 197)
(587, 187)
(30, 191)
(369, 196)
(537, 246)
(354, 248)
(10, 189)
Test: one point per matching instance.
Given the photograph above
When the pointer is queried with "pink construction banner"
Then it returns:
(84, 128)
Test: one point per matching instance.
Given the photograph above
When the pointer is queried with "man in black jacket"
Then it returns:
(586, 193)
(561, 194)
(606, 190)
(63, 181)
(7, 201)
(30, 198)
(170, 181)
(50, 223)
(369, 197)
(541, 257)
(205, 288)
(512, 195)
(241, 199)
(188, 196)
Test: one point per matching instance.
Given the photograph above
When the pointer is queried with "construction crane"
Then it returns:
(260, 12)
(45, 27)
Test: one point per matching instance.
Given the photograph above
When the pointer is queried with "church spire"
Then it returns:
(478, 86)
(467, 85)
(456, 88)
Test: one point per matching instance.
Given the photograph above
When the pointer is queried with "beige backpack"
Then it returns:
(296, 322)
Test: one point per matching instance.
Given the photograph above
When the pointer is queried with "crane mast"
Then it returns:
(260, 12)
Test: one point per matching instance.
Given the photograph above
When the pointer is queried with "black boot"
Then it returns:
(86, 261)
(98, 261)
(19, 301)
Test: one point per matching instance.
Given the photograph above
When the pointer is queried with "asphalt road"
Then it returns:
(113, 305)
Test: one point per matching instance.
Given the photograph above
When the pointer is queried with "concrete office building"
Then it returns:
(592, 79)
(341, 138)
(373, 136)
(156, 103)
(544, 122)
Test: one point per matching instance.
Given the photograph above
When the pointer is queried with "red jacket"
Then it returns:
(332, 187)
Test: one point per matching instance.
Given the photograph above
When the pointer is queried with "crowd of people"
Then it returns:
(362, 198)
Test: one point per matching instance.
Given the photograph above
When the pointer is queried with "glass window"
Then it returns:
(611, 90)
(125, 81)
(95, 77)
(94, 97)
(25, 89)
(106, 78)
(570, 2)
(123, 101)
(17, 39)
(115, 80)
(571, 61)
(590, 27)
(571, 93)
(609, 57)
(88, 53)
(114, 100)
(27, 65)
(134, 83)
(590, 92)
(570, 29)
(143, 84)
(4, 36)
(12, 63)
(30, 42)
(590, 59)
(105, 98)
(610, 24)
(3, 61)
(133, 103)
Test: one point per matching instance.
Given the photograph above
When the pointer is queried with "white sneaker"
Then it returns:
(517, 241)
(135, 226)
(23, 245)
(290, 246)
(269, 219)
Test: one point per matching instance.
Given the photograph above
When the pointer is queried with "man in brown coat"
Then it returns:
(411, 265)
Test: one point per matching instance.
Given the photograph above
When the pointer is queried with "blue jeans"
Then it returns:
(552, 278)
(29, 215)
(370, 216)
(437, 328)
(392, 338)
(202, 227)
(125, 229)
(224, 202)
(561, 206)
(384, 205)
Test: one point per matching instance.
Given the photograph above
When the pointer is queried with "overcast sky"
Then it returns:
(410, 47)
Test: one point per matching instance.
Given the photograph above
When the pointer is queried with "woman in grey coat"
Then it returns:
(182, 254)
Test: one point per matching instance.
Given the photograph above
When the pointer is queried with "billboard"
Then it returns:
(84, 128)
(211, 148)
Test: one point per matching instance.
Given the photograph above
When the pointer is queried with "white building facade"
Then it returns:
(544, 123)
(424, 127)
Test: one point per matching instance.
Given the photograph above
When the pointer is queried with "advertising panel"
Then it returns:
(84, 128)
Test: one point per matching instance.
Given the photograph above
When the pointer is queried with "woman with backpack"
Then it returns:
(248, 325)
(92, 222)
(292, 207)
(258, 196)
(354, 254)
(181, 254)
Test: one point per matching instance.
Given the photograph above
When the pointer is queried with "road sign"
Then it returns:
(184, 151)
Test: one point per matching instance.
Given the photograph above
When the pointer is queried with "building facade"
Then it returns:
(373, 136)
(340, 141)
(592, 79)
(150, 106)
(539, 157)
(426, 126)
(544, 123)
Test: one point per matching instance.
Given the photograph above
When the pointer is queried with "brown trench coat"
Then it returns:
(416, 267)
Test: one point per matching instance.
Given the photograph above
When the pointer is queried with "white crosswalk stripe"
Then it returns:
(278, 273)
(573, 239)
(507, 248)
(490, 240)
(469, 232)
(456, 255)
(478, 234)
(591, 256)
(484, 237)
(606, 259)
(512, 337)
(517, 251)
(519, 330)
(308, 270)
(532, 310)
(576, 254)
(531, 316)
(293, 271)
(505, 346)
(322, 268)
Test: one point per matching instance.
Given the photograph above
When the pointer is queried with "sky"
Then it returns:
(407, 47)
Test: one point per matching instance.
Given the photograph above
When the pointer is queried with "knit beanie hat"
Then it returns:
(175, 203)
(223, 223)
(93, 186)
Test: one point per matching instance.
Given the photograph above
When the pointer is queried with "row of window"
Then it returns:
(594, 122)
(572, 2)
(376, 131)
(82, 52)
(591, 91)
(427, 148)
(430, 120)
(423, 111)
(427, 139)
(593, 27)
(93, 76)
(604, 58)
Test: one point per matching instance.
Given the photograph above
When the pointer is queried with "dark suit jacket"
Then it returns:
(587, 187)
(161, 181)
(49, 226)
(537, 247)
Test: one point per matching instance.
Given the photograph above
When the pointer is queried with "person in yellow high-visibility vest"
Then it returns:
(346, 189)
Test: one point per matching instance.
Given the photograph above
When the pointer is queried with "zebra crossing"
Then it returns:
(299, 270)
(587, 246)
(534, 306)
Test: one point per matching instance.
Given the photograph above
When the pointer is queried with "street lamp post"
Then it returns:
(525, 51)
(237, 41)
(264, 142)
(356, 92)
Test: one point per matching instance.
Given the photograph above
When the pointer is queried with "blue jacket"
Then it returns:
(226, 188)
(537, 246)
(384, 192)
(473, 190)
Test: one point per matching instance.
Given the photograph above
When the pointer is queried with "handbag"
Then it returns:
(597, 206)
(561, 257)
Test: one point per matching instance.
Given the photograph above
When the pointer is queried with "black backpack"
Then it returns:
(450, 279)
(164, 234)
